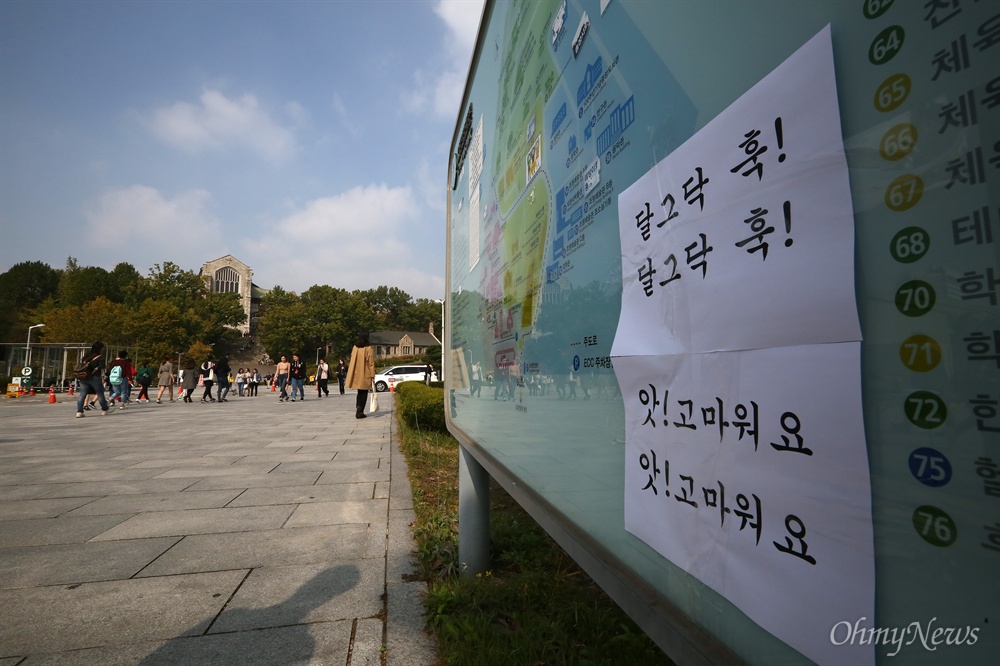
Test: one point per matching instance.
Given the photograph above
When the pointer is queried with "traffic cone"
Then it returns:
(70, 389)
(392, 388)
(272, 388)
(52, 395)
(32, 391)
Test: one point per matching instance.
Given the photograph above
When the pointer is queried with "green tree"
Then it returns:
(125, 285)
(217, 313)
(78, 286)
(419, 315)
(283, 327)
(388, 305)
(157, 328)
(24, 286)
(99, 319)
(173, 284)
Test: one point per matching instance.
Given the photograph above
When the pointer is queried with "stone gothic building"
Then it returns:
(229, 275)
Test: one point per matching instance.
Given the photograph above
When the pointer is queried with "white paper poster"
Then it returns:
(738, 357)
(743, 237)
(748, 470)
(475, 172)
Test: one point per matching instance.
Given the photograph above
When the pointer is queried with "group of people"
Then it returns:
(121, 376)
(293, 373)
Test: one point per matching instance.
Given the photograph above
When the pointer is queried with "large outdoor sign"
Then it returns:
(729, 275)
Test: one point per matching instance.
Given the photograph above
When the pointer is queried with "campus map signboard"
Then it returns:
(724, 286)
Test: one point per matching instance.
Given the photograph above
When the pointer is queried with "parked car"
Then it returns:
(400, 373)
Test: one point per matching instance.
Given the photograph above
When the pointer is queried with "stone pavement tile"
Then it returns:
(247, 550)
(27, 492)
(176, 501)
(381, 490)
(88, 463)
(328, 466)
(278, 596)
(318, 644)
(407, 643)
(305, 494)
(225, 470)
(281, 455)
(187, 461)
(112, 613)
(287, 442)
(48, 531)
(159, 451)
(65, 564)
(104, 488)
(37, 474)
(354, 476)
(360, 454)
(101, 475)
(339, 513)
(198, 521)
(375, 541)
(367, 648)
(255, 481)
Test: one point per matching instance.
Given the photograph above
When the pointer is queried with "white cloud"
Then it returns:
(130, 218)
(433, 186)
(353, 240)
(442, 91)
(462, 18)
(218, 123)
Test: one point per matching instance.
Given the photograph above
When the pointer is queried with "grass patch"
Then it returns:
(535, 606)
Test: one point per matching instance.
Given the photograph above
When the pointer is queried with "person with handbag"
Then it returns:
(208, 374)
(322, 378)
(361, 372)
(88, 372)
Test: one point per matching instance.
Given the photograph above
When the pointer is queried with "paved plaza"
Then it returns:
(251, 532)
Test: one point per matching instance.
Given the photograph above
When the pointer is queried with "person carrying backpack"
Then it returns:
(89, 372)
(120, 375)
(145, 377)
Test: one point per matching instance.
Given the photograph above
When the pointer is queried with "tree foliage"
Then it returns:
(171, 311)
(24, 286)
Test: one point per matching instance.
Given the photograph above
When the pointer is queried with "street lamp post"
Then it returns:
(27, 346)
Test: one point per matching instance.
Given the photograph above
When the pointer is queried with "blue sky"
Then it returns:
(308, 139)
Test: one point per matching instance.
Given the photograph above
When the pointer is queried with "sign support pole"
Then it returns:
(473, 515)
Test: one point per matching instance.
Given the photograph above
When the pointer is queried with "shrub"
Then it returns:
(421, 406)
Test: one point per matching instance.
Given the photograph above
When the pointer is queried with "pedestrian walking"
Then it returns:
(120, 375)
(144, 375)
(255, 380)
(323, 378)
(222, 371)
(208, 379)
(281, 377)
(361, 371)
(165, 379)
(90, 371)
(297, 373)
(189, 379)
(341, 374)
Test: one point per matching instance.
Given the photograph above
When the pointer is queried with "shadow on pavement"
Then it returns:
(271, 635)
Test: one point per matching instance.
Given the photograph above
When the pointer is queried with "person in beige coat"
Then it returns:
(361, 371)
